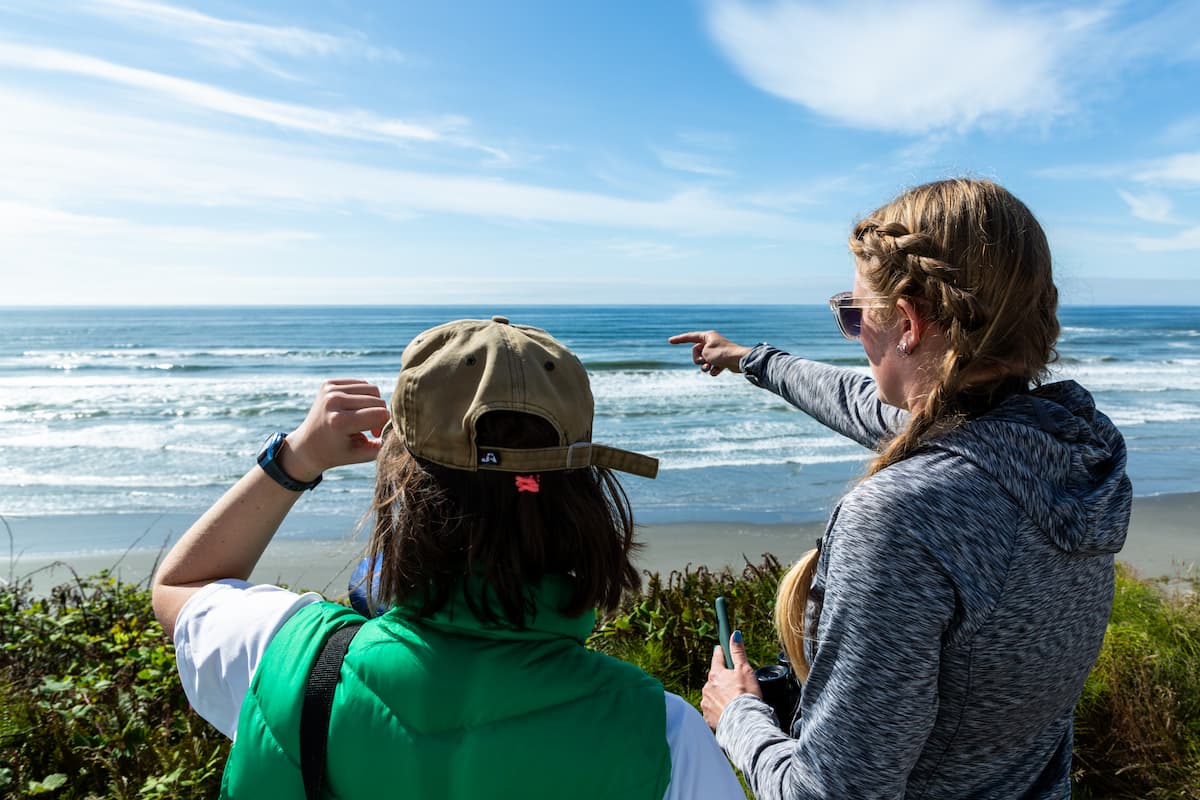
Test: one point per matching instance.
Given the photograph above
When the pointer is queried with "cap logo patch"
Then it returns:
(489, 457)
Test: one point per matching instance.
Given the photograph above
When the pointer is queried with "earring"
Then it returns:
(902, 348)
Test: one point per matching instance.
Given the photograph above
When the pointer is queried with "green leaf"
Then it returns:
(50, 685)
(50, 783)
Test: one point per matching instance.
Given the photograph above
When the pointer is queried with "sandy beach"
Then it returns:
(1164, 540)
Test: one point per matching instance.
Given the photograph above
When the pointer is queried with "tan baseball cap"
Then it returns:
(457, 372)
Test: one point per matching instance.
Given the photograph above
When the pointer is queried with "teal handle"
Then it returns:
(723, 631)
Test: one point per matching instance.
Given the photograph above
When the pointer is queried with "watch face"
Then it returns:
(267, 452)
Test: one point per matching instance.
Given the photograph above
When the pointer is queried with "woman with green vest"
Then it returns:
(498, 528)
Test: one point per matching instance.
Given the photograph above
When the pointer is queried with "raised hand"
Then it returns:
(333, 432)
(711, 351)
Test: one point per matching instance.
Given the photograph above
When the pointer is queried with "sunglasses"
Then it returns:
(847, 310)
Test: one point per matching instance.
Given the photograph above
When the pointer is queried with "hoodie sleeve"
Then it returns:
(871, 699)
(838, 398)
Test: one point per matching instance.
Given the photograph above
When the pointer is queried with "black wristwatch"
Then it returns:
(266, 460)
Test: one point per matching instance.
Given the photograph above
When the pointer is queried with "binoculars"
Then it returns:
(780, 690)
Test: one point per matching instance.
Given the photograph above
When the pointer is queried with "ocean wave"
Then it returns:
(632, 364)
(19, 477)
(1142, 415)
(192, 360)
(37, 412)
(152, 367)
(754, 460)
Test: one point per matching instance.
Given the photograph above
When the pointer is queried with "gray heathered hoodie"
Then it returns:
(959, 601)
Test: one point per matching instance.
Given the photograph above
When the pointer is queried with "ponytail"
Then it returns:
(790, 603)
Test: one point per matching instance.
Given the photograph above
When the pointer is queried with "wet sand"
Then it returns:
(1164, 540)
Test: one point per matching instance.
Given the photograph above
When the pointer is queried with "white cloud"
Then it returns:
(812, 192)
(1181, 170)
(30, 221)
(50, 151)
(234, 41)
(649, 251)
(691, 162)
(1182, 132)
(354, 124)
(707, 139)
(1184, 240)
(928, 66)
(1150, 206)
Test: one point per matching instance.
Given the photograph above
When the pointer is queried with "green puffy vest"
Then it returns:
(447, 707)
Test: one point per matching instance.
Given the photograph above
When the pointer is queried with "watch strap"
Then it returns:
(268, 460)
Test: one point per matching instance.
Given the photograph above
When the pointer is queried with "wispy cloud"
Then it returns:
(649, 250)
(1182, 132)
(1182, 170)
(795, 196)
(25, 220)
(1184, 240)
(235, 41)
(694, 163)
(1179, 170)
(96, 157)
(1148, 206)
(707, 140)
(936, 65)
(356, 124)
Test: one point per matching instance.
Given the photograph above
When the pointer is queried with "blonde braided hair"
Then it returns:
(975, 261)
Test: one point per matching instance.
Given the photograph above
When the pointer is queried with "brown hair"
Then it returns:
(975, 261)
(434, 525)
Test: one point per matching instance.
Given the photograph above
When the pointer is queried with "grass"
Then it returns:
(1137, 726)
(90, 706)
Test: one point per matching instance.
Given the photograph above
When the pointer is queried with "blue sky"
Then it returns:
(575, 152)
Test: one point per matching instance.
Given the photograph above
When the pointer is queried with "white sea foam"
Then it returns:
(1176, 375)
(154, 436)
(1140, 415)
(744, 459)
(17, 476)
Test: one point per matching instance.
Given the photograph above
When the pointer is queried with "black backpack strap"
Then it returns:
(318, 704)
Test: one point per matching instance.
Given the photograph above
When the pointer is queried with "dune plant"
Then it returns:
(669, 629)
(90, 704)
(1137, 727)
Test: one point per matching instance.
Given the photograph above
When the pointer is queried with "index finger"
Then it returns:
(681, 338)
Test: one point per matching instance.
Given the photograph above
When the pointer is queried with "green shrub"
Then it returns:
(1137, 726)
(90, 704)
(670, 629)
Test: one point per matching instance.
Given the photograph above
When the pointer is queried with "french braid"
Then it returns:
(974, 259)
(976, 262)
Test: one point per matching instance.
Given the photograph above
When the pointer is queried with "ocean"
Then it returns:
(149, 411)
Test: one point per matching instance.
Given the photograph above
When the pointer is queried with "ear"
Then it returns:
(913, 322)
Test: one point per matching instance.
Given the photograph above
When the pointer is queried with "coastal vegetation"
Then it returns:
(90, 705)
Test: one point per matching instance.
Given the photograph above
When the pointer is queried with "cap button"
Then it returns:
(500, 319)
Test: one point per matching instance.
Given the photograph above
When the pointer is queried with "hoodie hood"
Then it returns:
(1061, 461)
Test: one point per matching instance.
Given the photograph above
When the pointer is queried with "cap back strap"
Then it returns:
(576, 456)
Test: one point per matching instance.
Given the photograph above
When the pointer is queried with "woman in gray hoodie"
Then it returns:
(962, 588)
